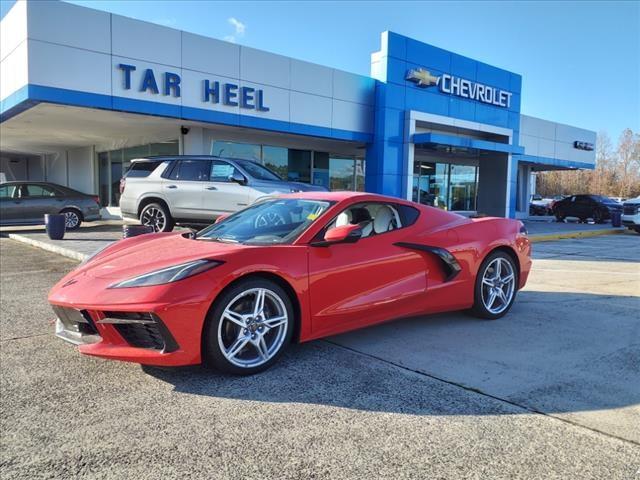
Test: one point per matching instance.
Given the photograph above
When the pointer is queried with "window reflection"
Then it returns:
(331, 171)
(446, 186)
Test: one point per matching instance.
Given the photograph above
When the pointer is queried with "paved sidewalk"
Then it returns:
(77, 245)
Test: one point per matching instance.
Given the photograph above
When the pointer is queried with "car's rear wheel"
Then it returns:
(157, 216)
(559, 217)
(496, 286)
(248, 328)
(72, 218)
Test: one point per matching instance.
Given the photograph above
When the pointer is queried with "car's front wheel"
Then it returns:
(496, 286)
(157, 216)
(248, 328)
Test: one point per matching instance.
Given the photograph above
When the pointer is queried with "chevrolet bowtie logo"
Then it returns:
(421, 77)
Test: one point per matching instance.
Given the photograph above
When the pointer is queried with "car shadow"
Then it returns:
(554, 352)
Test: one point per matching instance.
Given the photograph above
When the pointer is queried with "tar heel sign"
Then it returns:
(212, 91)
(460, 87)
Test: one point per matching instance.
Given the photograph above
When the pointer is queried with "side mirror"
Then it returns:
(343, 234)
(238, 178)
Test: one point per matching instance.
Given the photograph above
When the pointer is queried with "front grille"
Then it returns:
(141, 330)
(630, 209)
(77, 321)
(141, 335)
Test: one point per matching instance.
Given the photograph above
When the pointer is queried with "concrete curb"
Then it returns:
(65, 252)
(548, 237)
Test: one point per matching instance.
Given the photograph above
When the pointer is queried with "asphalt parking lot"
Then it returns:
(550, 391)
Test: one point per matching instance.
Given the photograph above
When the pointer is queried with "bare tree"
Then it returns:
(617, 172)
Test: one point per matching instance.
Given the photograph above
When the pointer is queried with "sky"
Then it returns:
(580, 61)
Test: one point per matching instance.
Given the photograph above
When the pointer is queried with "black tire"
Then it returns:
(212, 354)
(479, 308)
(598, 217)
(73, 219)
(559, 217)
(157, 215)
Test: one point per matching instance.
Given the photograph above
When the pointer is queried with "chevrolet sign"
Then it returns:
(460, 87)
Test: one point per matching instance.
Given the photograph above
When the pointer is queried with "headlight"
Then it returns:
(168, 275)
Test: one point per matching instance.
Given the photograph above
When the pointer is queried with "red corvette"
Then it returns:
(290, 268)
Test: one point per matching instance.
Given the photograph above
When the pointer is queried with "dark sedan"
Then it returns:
(596, 207)
(25, 203)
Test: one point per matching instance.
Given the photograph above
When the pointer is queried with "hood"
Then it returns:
(286, 187)
(128, 258)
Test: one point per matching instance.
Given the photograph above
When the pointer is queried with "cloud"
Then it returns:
(239, 29)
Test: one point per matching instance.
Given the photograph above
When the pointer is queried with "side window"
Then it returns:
(191, 170)
(376, 218)
(7, 191)
(39, 191)
(221, 171)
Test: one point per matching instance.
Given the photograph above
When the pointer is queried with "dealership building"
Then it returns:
(84, 91)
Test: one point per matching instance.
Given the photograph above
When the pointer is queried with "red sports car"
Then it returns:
(289, 268)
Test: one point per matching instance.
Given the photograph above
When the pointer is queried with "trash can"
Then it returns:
(55, 224)
(129, 231)
(616, 219)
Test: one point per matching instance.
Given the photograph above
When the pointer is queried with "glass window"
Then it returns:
(116, 157)
(374, 218)
(360, 173)
(38, 191)
(192, 170)
(236, 150)
(462, 187)
(299, 166)
(270, 222)
(164, 148)
(341, 173)
(321, 169)
(258, 171)
(7, 191)
(221, 171)
(430, 184)
(142, 169)
(276, 159)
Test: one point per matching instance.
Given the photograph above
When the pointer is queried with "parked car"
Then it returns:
(235, 295)
(583, 207)
(25, 203)
(163, 191)
(631, 214)
(539, 205)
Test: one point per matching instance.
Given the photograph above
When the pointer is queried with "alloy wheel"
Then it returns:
(253, 327)
(155, 218)
(498, 285)
(71, 219)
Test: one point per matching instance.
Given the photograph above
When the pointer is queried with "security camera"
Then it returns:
(184, 130)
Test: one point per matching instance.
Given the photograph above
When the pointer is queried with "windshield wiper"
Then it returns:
(219, 239)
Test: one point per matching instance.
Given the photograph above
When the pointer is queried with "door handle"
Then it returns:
(172, 186)
(210, 188)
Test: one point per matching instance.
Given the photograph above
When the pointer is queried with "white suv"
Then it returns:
(163, 191)
(631, 214)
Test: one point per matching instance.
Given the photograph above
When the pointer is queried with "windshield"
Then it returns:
(258, 171)
(269, 222)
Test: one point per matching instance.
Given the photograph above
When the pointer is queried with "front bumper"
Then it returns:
(150, 325)
(134, 336)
